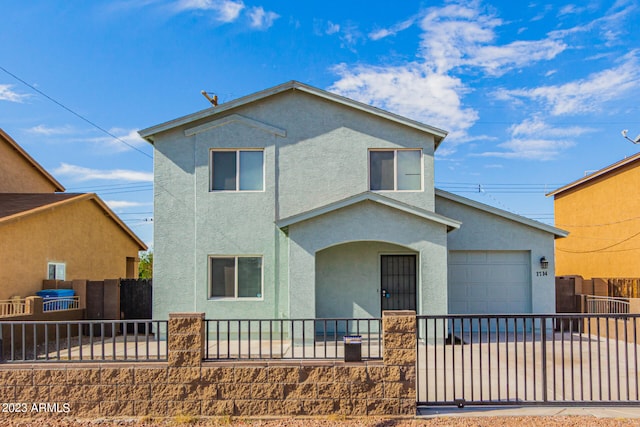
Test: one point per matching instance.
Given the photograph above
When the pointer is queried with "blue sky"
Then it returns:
(533, 95)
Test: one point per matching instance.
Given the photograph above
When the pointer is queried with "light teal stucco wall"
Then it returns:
(373, 222)
(322, 158)
(483, 231)
(174, 280)
(348, 279)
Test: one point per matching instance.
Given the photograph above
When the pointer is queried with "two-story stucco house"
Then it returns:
(601, 212)
(298, 203)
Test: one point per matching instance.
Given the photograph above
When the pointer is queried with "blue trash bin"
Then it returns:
(60, 298)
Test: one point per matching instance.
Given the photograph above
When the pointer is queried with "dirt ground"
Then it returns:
(580, 421)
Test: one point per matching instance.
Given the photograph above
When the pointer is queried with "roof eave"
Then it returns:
(451, 224)
(600, 173)
(79, 197)
(39, 209)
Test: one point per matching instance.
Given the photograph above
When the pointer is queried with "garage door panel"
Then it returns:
(489, 282)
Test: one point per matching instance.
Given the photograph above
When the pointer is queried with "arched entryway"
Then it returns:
(359, 279)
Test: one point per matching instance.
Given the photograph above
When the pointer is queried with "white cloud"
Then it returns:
(531, 149)
(129, 136)
(121, 204)
(457, 35)
(534, 139)
(393, 30)
(585, 95)
(49, 131)
(463, 38)
(571, 9)
(8, 94)
(413, 91)
(79, 173)
(536, 126)
(225, 10)
(350, 35)
(332, 28)
(496, 60)
(261, 19)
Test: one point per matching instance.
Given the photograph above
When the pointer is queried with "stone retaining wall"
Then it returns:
(188, 386)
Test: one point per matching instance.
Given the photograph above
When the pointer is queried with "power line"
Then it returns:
(74, 113)
(604, 249)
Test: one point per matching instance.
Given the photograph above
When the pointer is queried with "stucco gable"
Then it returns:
(27, 166)
(373, 197)
(150, 133)
(236, 118)
(499, 212)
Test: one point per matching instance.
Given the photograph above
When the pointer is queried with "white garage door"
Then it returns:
(489, 282)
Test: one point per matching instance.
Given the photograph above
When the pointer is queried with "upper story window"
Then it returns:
(56, 271)
(237, 170)
(395, 170)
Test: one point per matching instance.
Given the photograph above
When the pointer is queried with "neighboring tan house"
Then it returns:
(47, 234)
(294, 202)
(602, 213)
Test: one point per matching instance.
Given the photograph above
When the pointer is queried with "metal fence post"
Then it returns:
(544, 359)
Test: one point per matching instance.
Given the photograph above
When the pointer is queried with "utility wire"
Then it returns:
(604, 249)
(74, 113)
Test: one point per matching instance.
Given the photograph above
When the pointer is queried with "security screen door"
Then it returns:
(398, 282)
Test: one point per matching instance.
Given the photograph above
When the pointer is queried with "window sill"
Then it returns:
(397, 191)
(236, 191)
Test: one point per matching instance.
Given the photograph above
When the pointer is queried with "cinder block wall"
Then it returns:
(186, 385)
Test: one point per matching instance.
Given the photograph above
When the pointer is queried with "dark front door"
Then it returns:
(398, 282)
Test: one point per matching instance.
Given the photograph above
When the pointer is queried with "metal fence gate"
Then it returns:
(136, 302)
(528, 360)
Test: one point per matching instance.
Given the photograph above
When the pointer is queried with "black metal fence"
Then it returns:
(528, 359)
(291, 338)
(83, 340)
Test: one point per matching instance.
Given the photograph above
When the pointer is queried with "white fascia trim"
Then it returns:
(502, 213)
(431, 216)
(236, 118)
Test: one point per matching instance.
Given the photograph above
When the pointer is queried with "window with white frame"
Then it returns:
(56, 271)
(235, 277)
(395, 170)
(237, 170)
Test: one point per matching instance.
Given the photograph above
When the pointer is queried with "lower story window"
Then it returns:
(235, 277)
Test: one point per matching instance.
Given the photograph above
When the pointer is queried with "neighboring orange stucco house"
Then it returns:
(602, 214)
(48, 234)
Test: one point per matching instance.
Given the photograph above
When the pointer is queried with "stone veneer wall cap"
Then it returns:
(187, 315)
(398, 313)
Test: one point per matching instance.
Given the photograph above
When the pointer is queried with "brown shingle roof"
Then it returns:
(18, 203)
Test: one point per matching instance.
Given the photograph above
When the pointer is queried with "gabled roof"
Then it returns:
(10, 141)
(293, 85)
(15, 206)
(501, 213)
(373, 197)
(602, 173)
